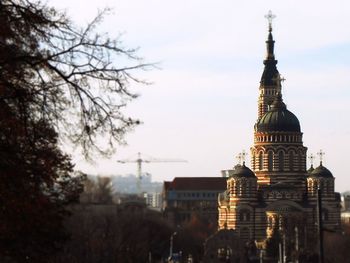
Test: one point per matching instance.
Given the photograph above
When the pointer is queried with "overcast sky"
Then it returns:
(203, 104)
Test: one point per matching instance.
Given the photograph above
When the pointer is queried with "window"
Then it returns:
(253, 157)
(300, 161)
(260, 161)
(244, 216)
(291, 161)
(270, 161)
(281, 160)
(325, 215)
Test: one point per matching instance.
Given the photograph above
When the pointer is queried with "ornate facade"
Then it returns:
(278, 193)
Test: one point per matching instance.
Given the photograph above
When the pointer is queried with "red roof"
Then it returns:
(197, 183)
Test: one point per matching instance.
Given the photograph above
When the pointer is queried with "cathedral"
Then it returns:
(278, 194)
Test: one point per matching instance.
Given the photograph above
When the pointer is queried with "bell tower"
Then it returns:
(270, 79)
(278, 154)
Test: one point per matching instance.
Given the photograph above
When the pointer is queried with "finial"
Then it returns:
(321, 154)
(311, 158)
(243, 154)
(279, 79)
(241, 157)
(270, 17)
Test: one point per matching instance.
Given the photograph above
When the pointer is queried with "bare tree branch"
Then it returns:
(55, 69)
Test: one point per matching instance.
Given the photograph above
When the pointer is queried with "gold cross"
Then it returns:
(269, 18)
(311, 158)
(321, 154)
(239, 158)
(243, 155)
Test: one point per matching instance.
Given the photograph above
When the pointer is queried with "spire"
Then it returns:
(270, 70)
(270, 42)
(270, 82)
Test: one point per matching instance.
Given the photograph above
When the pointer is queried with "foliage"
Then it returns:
(110, 233)
(52, 70)
(35, 186)
(98, 192)
(56, 80)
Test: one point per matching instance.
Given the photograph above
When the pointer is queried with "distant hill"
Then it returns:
(127, 184)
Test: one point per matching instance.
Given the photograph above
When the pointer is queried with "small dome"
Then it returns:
(321, 171)
(278, 118)
(309, 171)
(242, 171)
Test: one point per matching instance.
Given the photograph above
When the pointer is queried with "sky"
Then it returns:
(202, 104)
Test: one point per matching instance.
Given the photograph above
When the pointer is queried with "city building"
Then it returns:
(187, 196)
(278, 193)
(153, 200)
(345, 213)
(128, 184)
(346, 202)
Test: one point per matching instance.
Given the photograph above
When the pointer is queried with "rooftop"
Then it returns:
(196, 183)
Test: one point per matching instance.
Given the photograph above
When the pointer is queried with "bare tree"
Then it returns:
(99, 191)
(99, 234)
(75, 78)
(56, 81)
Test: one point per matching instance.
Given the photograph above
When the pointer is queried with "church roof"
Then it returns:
(278, 118)
(321, 171)
(242, 171)
(310, 170)
(270, 73)
(197, 184)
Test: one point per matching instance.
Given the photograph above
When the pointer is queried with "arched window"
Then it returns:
(321, 185)
(270, 161)
(326, 187)
(291, 161)
(243, 187)
(244, 215)
(260, 161)
(253, 161)
(281, 160)
(300, 161)
(325, 214)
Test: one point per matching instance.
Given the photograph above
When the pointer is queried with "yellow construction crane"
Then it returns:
(139, 160)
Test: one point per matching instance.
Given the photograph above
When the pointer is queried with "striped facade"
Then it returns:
(280, 194)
